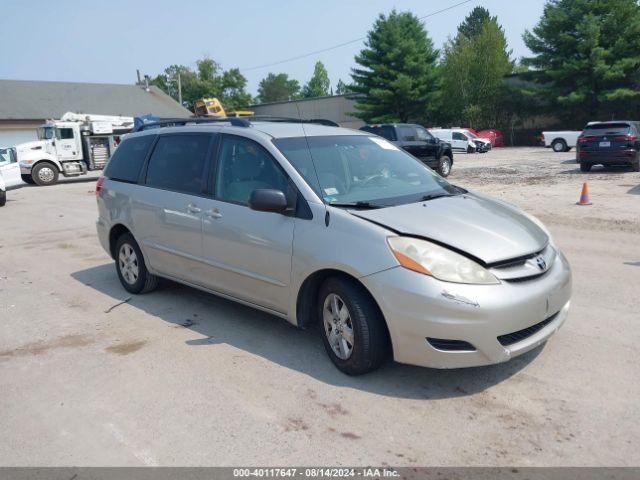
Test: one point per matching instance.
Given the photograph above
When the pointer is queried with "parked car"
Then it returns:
(387, 256)
(560, 141)
(483, 145)
(495, 136)
(3, 191)
(460, 140)
(10, 167)
(608, 144)
(417, 140)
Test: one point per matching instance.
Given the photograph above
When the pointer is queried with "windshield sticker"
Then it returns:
(383, 143)
(331, 191)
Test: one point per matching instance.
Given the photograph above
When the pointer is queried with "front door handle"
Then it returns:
(192, 208)
(213, 213)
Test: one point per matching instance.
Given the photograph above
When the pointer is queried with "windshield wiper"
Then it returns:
(360, 204)
(432, 196)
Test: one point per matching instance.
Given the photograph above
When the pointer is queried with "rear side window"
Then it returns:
(127, 160)
(607, 129)
(178, 162)
(384, 131)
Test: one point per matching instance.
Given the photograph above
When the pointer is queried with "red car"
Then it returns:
(496, 137)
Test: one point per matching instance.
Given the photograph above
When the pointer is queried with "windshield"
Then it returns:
(361, 169)
(46, 133)
(469, 134)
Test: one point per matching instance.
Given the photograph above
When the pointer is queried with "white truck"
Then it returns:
(71, 146)
(561, 141)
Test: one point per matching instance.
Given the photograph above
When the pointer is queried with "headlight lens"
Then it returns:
(439, 262)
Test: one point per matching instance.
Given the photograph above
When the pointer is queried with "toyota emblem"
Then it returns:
(541, 263)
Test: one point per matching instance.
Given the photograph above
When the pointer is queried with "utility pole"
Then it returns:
(179, 90)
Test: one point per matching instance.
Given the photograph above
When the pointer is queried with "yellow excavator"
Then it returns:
(211, 107)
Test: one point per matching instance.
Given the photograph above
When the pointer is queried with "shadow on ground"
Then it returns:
(220, 321)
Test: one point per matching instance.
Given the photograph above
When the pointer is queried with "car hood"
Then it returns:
(487, 229)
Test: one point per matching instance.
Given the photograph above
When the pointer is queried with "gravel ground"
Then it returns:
(179, 377)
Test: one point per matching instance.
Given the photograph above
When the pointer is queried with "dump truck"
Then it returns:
(71, 146)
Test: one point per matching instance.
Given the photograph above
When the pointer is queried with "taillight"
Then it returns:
(99, 184)
(625, 138)
(586, 139)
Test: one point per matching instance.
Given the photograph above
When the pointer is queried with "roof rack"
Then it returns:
(244, 121)
(174, 122)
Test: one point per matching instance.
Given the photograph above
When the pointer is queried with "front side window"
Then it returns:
(385, 131)
(244, 166)
(359, 168)
(64, 133)
(459, 136)
(423, 135)
(407, 133)
(178, 163)
(7, 156)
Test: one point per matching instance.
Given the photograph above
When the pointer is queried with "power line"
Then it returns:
(298, 57)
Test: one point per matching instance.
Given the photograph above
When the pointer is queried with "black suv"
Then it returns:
(609, 143)
(416, 140)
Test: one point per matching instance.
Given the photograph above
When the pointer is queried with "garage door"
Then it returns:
(10, 137)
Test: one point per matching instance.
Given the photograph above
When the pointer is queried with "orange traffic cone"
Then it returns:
(584, 196)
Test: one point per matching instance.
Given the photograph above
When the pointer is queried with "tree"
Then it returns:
(473, 68)
(474, 22)
(318, 85)
(586, 57)
(207, 80)
(277, 88)
(397, 77)
(341, 87)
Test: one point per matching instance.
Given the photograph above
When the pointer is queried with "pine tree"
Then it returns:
(318, 85)
(587, 58)
(397, 76)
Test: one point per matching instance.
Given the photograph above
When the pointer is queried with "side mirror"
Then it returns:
(268, 200)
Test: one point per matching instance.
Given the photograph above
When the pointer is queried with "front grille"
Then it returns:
(515, 337)
(451, 345)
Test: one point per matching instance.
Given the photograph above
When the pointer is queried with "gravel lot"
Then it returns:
(179, 377)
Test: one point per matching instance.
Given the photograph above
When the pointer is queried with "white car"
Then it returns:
(9, 167)
(561, 141)
(3, 191)
(460, 140)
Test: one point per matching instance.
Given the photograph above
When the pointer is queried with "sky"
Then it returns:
(105, 42)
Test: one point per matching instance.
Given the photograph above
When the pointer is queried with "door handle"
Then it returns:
(213, 213)
(191, 208)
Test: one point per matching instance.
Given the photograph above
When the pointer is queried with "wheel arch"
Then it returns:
(51, 161)
(307, 297)
(116, 232)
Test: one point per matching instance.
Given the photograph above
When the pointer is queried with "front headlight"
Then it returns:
(439, 262)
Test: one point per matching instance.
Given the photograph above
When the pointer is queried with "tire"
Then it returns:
(444, 166)
(635, 166)
(585, 167)
(362, 322)
(3, 198)
(132, 271)
(44, 173)
(27, 179)
(559, 145)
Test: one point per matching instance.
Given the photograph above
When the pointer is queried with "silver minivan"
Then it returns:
(335, 227)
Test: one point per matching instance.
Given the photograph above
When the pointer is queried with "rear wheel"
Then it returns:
(27, 179)
(3, 198)
(132, 271)
(44, 173)
(353, 329)
(444, 166)
(559, 145)
(635, 166)
(585, 167)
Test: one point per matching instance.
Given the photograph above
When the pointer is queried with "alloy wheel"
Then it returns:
(128, 263)
(338, 326)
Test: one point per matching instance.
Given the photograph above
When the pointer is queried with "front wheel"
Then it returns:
(132, 271)
(444, 166)
(353, 329)
(44, 173)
